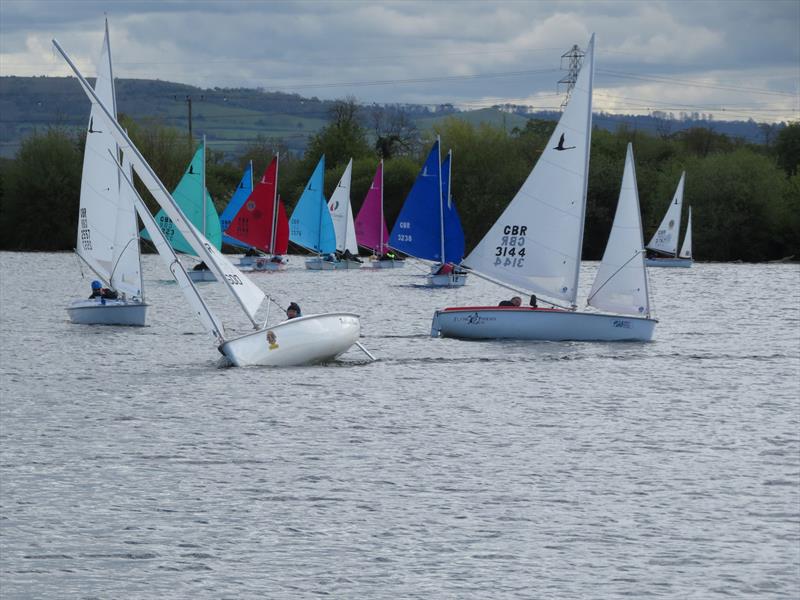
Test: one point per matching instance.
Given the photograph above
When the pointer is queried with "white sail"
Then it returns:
(686, 248)
(167, 254)
(342, 213)
(621, 283)
(665, 239)
(245, 291)
(535, 245)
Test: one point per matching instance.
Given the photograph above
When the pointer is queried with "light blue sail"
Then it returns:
(417, 231)
(311, 225)
(453, 232)
(243, 191)
(189, 196)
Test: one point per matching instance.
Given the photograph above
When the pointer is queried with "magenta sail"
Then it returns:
(371, 231)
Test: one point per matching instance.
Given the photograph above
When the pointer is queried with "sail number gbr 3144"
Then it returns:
(511, 250)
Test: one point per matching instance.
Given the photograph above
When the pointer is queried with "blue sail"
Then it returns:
(311, 225)
(453, 232)
(417, 231)
(189, 197)
(241, 194)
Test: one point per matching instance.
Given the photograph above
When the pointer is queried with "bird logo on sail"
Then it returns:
(561, 145)
(91, 123)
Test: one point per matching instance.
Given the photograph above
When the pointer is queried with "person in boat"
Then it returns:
(330, 257)
(252, 252)
(201, 266)
(389, 256)
(347, 255)
(98, 291)
(515, 301)
(276, 259)
(293, 311)
(445, 269)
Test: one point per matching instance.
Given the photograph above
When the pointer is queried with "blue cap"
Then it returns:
(96, 285)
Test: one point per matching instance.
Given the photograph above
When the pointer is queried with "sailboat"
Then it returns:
(535, 247)
(107, 241)
(196, 203)
(261, 224)
(427, 226)
(303, 340)
(370, 226)
(663, 247)
(342, 217)
(311, 226)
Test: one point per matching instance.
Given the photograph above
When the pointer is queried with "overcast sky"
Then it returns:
(736, 59)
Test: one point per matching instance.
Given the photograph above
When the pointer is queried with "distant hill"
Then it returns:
(232, 117)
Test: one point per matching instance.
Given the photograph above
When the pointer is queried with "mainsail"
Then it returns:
(107, 234)
(621, 282)
(536, 243)
(310, 225)
(665, 239)
(201, 213)
(370, 225)
(253, 224)
(453, 239)
(342, 213)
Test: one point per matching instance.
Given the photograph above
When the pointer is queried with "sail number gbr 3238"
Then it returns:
(511, 250)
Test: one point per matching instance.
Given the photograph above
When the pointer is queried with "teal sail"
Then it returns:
(189, 196)
(241, 194)
(311, 225)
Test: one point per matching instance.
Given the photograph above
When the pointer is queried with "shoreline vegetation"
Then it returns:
(745, 197)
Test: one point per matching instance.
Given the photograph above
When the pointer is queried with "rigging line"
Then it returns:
(695, 83)
(625, 264)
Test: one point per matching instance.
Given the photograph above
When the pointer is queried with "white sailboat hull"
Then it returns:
(387, 264)
(447, 280)
(112, 312)
(253, 264)
(479, 323)
(319, 264)
(302, 341)
(669, 262)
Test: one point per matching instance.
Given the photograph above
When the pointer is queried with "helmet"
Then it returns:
(96, 285)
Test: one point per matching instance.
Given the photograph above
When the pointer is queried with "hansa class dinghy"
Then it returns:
(535, 247)
(428, 227)
(108, 240)
(663, 247)
(304, 340)
(343, 226)
(370, 226)
(196, 203)
(311, 226)
(261, 225)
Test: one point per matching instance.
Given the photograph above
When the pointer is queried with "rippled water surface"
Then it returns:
(135, 466)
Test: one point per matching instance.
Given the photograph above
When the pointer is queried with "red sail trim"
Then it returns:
(252, 225)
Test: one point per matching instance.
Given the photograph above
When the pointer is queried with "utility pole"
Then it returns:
(573, 59)
(188, 101)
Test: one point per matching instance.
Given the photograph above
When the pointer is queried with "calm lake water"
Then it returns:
(135, 466)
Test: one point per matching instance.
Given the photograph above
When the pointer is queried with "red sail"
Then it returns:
(252, 225)
(282, 230)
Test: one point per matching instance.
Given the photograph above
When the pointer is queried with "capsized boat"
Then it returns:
(196, 203)
(370, 226)
(662, 250)
(311, 226)
(108, 240)
(428, 227)
(306, 340)
(535, 247)
(261, 224)
(342, 218)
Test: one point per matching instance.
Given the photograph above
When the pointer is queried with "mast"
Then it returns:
(203, 188)
(274, 227)
(441, 200)
(380, 225)
(585, 171)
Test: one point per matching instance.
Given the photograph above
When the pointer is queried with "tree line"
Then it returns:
(745, 198)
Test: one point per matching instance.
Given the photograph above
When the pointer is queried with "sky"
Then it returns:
(733, 59)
